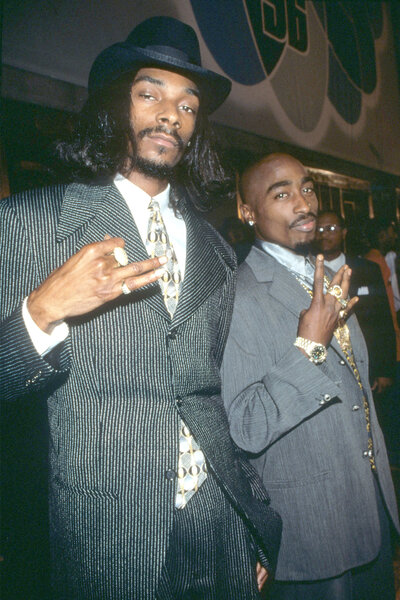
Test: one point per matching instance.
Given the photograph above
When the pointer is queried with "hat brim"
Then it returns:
(119, 59)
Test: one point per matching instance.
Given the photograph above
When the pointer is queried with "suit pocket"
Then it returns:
(87, 492)
(293, 483)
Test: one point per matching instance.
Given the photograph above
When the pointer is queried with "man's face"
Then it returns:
(330, 239)
(163, 115)
(281, 200)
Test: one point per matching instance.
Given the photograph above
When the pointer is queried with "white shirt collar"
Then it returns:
(336, 263)
(132, 192)
(293, 262)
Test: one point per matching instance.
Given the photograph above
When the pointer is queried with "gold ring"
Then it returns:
(335, 291)
(125, 289)
(342, 314)
(120, 256)
(343, 302)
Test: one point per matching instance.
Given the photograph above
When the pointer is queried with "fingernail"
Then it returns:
(320, 257)
(163, 259)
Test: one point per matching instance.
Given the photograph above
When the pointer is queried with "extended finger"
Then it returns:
(133, 283)
(346, 281)
(351, 304)
(337, 292)
(318, 287)
(342, 279)
(139, 268)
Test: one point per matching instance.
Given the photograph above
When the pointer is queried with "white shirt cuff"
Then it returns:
(43, 342)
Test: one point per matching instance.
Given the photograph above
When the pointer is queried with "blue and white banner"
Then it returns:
(319, 74)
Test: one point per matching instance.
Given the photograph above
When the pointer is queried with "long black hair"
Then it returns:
(103, 144)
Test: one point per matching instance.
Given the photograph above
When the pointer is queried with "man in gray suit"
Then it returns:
(116, 303)
(295, 386)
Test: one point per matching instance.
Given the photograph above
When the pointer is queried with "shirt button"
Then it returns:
(321, 402)
(172, 335)
(178, 401)
(327, 397)
(170, 474)
(355, 407)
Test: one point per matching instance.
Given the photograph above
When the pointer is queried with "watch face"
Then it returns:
(318, 353)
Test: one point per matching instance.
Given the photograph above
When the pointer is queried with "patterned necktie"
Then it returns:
(158, 244)
(192, 468)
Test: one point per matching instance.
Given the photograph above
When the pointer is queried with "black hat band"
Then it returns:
(172, 52)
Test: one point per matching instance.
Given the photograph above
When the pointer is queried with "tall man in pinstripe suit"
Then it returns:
(85, 326)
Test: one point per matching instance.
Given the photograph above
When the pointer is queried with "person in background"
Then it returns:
(116, 301)
(296, 389)
(372, 309)
(387, 242)
(375, 234)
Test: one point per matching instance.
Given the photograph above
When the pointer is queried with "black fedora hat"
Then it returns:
(161, 42)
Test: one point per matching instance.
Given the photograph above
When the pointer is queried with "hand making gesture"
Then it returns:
(96, 274)
(319, 321)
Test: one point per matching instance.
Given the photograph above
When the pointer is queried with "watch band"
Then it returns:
(316, 352)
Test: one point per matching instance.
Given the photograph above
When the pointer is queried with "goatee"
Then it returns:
(302, 248)
(153, 169)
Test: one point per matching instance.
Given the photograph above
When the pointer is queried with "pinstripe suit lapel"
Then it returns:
(205, 267)
(93, 211)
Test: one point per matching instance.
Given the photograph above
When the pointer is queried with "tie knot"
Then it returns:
(153, 205)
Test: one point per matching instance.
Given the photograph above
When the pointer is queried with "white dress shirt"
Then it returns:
(138, 202)
(336, 263)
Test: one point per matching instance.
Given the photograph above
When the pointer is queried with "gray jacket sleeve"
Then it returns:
(276, 389)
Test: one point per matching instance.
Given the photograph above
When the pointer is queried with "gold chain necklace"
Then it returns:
(342, 334)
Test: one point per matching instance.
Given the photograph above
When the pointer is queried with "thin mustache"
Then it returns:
(160, 129)
(302, 218)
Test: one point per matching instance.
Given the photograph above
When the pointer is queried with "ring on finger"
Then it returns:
(125, 289)
(120, 256)
(335, 291)
(343, 302)
(342, 314)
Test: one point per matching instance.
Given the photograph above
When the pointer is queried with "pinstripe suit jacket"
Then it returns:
(305, 427)
(117, 388)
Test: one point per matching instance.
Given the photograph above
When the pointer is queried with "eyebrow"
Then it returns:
(285, 182)
(161, 83)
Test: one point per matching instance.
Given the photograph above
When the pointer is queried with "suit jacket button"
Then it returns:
(327, 397)
(170, 474)
(365, 453)
(172, 335)
(178, 401)
(342, 362)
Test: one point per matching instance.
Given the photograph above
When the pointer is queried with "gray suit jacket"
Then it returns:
(304, 426)
(116, 391)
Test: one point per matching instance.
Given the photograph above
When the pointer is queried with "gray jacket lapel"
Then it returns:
(283, 286)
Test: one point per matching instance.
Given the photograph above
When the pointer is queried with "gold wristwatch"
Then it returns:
(316, 352)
